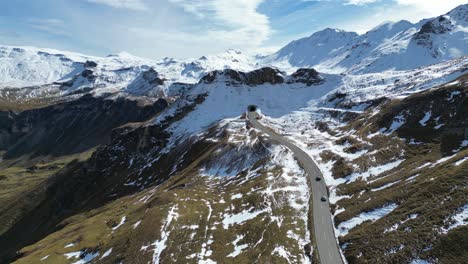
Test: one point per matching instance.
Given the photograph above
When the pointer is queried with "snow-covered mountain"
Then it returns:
(27, 72)
(390, 46)
(47, 71)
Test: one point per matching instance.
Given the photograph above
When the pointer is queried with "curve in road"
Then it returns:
(328, 250)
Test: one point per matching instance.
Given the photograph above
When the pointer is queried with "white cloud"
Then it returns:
(237, 22)
(49, 25)
(359, 2)
(431, 7)
(125, 4)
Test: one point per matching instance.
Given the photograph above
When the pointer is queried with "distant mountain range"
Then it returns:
(390, 46)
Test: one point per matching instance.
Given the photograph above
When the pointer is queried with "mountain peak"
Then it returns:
(460, 14)
(392, 26)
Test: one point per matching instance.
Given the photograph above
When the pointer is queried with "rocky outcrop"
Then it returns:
(152, 77)
(147, 83)
(306, 76)
(90, 64)
(438, 26)
(264, 75)
(257, 77)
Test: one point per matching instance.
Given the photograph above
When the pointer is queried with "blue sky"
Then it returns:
(192, 28)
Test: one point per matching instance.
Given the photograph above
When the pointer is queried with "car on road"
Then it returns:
(323, 199)
(318, 179)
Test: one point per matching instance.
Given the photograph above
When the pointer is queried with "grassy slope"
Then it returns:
(435, 194)
(201, 203)
(19, 181)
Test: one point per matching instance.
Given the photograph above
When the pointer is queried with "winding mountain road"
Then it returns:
(327, 247)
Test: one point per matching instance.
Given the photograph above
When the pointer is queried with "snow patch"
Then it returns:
(344, 227)
(241, 217)
(160, 245)
(374, 171)
(385, 186)
(122, 221)
(459, 219)
(459, 162)
(107, 253)
(426, 118)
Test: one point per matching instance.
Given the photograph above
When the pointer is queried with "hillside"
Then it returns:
(121, 159)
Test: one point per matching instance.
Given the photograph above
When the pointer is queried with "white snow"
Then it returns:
(70, 245)
(44, 258)
(374, 171)
(30, 66)
(412, 177)
(419, 261)
(240, 218)
(459, 162)
(282, 252)
(389, 46)
(75, 254)
(88, 257)
(136, 224)
(458, 219)
(464, 143)
(237, 248)
(107, 253)
(395, 226)
(122, 221)
(231, 101)
(397, 123)
(160, 245)
(236, 196)
(426, 118)
(423, 166)
(385, 186)
(344, 227)
(442, 160)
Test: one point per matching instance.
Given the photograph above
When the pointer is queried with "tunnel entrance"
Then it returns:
(252, 108)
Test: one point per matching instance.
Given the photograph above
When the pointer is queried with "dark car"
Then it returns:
(318, 179)
(323, 199)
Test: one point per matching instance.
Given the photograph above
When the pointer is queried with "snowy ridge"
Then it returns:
(384, 50)
(48, 71)
(390, 46)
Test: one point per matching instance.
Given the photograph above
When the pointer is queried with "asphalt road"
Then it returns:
(327, 247)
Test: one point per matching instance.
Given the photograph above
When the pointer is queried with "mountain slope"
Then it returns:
(122, 159)
(214, 185)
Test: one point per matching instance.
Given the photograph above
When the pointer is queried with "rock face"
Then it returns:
(307, 76)
(147, 83)
(264, 75)
(69, 127)
(257, 77)
(152, 77)
(439, 26)
(90, 64)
